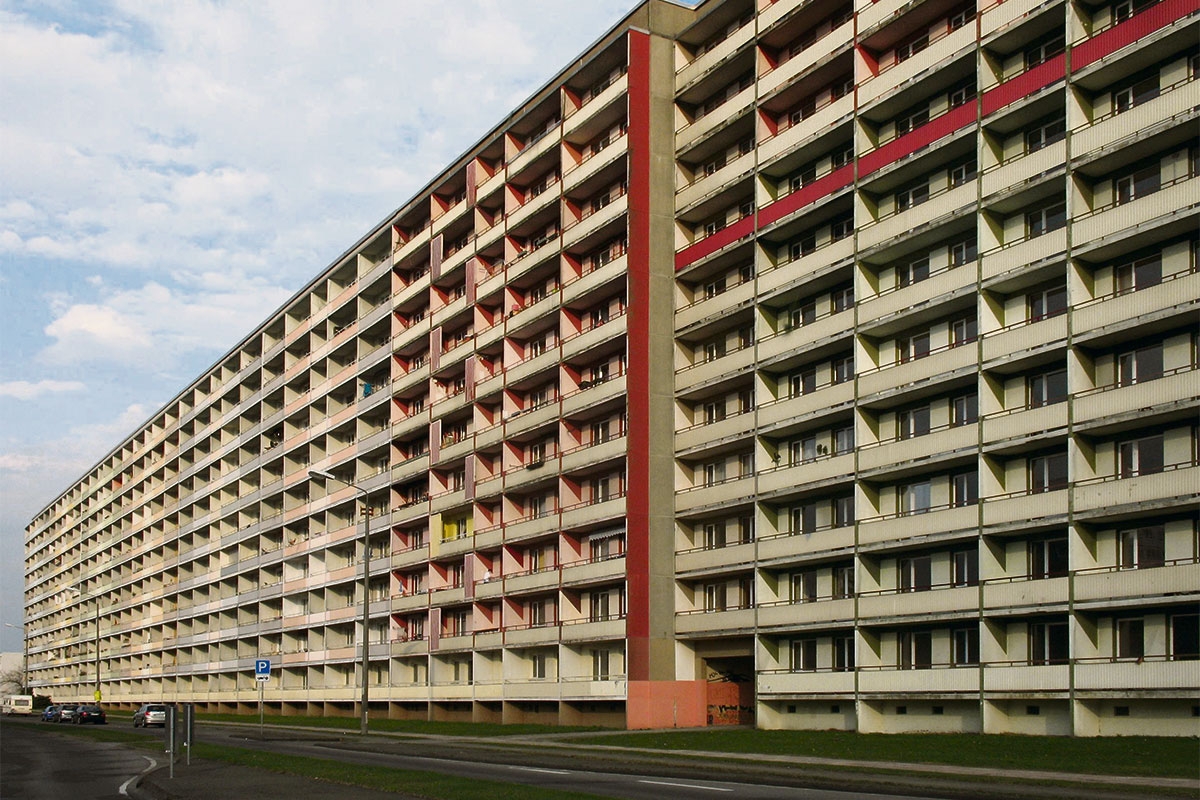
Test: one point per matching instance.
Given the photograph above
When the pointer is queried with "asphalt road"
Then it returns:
(36, 764)
(39, 765)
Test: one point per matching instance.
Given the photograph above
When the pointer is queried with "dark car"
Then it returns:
(90, 714)
(66, 712)
(150, 714)
(50, 714)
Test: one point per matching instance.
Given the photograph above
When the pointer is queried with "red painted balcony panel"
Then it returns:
(1025, 84)
(1129, 31)
(711, 244)
(822, 187)
(922, 137)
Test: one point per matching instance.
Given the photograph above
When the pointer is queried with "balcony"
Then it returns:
(793, 273)
(714, 558)
(589, 166)
(794, 547)
(903, 453)
(715, 55)
(1024, 509)
(1175, 487)
(577, 344)
(1102, 674)
(543, 580)
(528, 637)
(823, 612)
(1114, 401)
(543, 144)
(785, 683)
(923, 216)
(710, 184)
(932, 368)
(791, 340)
(1176, 102)
(1176, 293)
(1014, 341)
(596, 103)
(714, 496)
(703, 372)
(1022, 595)
(825, 399)
(587, 455)
(917, 296)
(892, 606)
(1019, 677)
(598, 393)
(940, 680)
(734, 427)
(795, 136)
(802, 62)
(1107, 586)
(1015, 172)
(1115, 221)
(1023, 254)
(929, 60)
(728, 111)
(785, 479)
(897, 528)
(590, 572)
(1024, 423)
(596, 220)
(589, 631)
(708, 623)
(583, 513)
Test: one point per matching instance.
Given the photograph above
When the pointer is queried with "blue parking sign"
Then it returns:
(262, 668)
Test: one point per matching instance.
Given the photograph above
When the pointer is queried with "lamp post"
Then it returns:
(24, 657)
(366, 582)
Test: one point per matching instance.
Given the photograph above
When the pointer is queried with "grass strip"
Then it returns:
(1135, 756)
(432, 785)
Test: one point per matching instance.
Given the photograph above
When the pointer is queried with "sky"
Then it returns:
(171, 172)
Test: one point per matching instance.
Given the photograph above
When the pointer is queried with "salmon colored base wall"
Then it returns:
(666, 704)
(730, 704)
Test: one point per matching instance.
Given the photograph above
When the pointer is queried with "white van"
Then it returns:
(19, 704)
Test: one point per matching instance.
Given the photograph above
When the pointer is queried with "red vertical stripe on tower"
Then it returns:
(637, 500)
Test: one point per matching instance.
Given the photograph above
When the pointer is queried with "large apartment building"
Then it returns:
(810, 363)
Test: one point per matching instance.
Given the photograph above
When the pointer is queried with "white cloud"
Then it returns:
(25, 390)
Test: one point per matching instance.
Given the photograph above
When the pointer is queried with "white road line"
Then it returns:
(536, 769)
(689, 786)
(124, 790)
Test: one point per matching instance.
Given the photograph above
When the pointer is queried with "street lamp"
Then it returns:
(24, 656)
(77, 590)
(366, 582)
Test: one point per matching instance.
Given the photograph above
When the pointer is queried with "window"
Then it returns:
(803, 450)
(843, 581)
(804, 587)
(1142, 456)
(965, 650)
(714, 473)
(714, 411)
(1049, 642)
(1044, 50)
(600, 489)
(1139, 274)
(915, 573)
(913, 347)
(840, 158)
(1136, 183)
(714, 597)
(960, 174)
(1048, 558)
(963, 331)
(964, 409)
(1047, 388)
(804, 655)
(745, 400)
(538, 666)
(911, 48)
(714, 535)
(912, 272)
(1047, 302)
(913, 119)
(843, 369)
(961, 95)
(912, 422)
(599, 610)
(915, 498)
(1141, 548)
(963, 251)
(803, 315)
(1043, 220)
(804, 177)
(1135, 93)
(843, 440)
(961, 18)
(1046, 133)
(804, 518)
(1047, 473)
(841, 228)
(912, 196)
(843, 652)
(964, 568)
(600, 665)
(1140, 365)
(1131, 638)
(843, 299)
(714, 349)
(916, 650)
(1124, 9)
(745, 530)
(1184, 630)
(605, 546)
(964, 488)
(803, 383)
(843, 511)
(805, 245)
(600, 430)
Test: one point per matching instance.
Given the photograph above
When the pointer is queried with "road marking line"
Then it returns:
(124, 790)
(689, 786)
(535, 769)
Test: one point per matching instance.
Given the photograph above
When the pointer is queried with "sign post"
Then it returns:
(262, 674)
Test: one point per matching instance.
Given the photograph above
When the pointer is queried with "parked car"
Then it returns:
(150, 714)
(66, 712)
(90, 714)
(50, 714)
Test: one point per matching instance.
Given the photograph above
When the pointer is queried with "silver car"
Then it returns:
(66, 712)
(150, 714)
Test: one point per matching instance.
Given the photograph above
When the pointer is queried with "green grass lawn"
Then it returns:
(1175, 757)
(399, 725)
